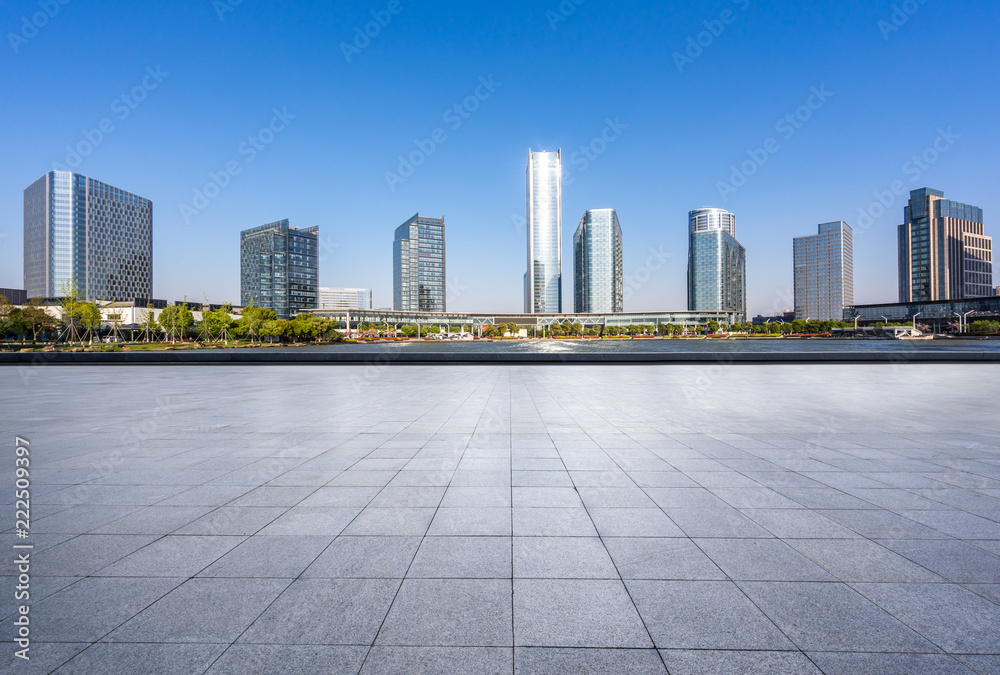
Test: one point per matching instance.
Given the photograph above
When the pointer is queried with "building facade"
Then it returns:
(454, 320)
(279, 268)
(419, 270)
(717, 263)
(345, 298)
(81, 231)
(824, 272)
(598, 267)
(944, 253)
(543, 278)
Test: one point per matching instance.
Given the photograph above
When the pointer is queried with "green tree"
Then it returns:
(985, 327)
(275, 329)
(71, 310)
(6, 315)
(176, 319)
(90, 318)
(149, 325)
(37, 321)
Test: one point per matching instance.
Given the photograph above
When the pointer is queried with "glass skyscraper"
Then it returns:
(944, 253)
(824, 273)
(543, 278)
(279, 268)
(418, 266)
(598, 268)
(77, 229)
(717, 263)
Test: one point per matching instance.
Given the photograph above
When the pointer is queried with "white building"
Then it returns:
(824, 273)
(345, 298)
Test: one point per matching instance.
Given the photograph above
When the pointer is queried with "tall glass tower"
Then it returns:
(717, 263)
(418, 266)
(543, 278)
(598, 269)
(279, 268)
(77, 229)
(824, 273)
(944, 253)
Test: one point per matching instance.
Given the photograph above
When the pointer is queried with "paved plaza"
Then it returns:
(499, 519)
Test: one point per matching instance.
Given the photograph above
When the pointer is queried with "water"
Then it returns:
(659, 346)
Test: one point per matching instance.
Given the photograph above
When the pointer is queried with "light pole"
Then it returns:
(965, 320)
(885, 320)
(915, 320)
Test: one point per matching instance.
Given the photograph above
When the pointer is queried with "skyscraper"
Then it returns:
(943, 251)
(598, 268)
(279, 268)
(418, 266)
(717, 263)
(824, 273)
(77, 229)
(543, 278)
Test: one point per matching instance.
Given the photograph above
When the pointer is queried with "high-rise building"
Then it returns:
(543, 278)
(717, 263)
(824, 273)
(80, 230)
(345, 298)
(598, 269)
(943, 251)
(279, 268)
(418, 266)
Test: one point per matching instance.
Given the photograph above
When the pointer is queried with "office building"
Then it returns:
(824, 273)
(279, 268)
(345, 298)
(598, 269)
(717, 263)
(419, 273)
(943, 251)
(15, 296)
(543, 278)
(80, 230)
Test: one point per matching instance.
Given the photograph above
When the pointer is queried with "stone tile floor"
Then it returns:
(681, 519)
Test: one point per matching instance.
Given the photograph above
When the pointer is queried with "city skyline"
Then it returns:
(282, 131)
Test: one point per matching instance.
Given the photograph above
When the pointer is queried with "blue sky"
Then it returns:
(184, 88)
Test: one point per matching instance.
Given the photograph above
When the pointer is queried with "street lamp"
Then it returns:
(965, 320)
(915, 320)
